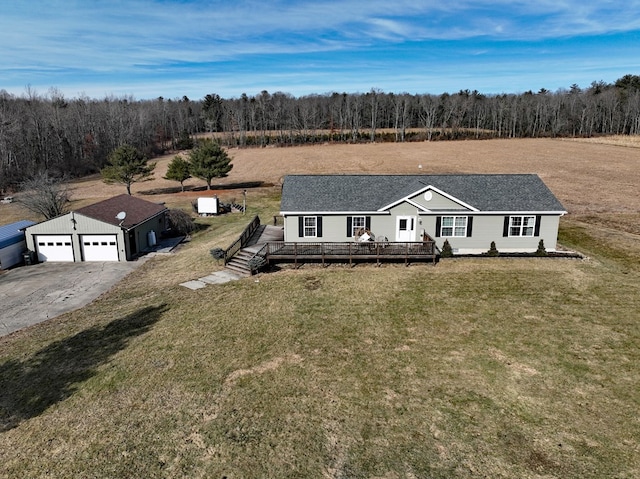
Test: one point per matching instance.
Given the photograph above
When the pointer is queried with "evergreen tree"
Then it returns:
(208, 160)
(178, 170)
(127, 166)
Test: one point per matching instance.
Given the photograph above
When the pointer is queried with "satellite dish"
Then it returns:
(121, 216)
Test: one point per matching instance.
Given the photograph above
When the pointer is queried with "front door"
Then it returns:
(406, 228)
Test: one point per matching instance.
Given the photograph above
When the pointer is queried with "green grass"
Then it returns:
(473, 368)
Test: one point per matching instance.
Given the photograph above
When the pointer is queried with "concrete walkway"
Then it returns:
(262, 235)
(218, 277)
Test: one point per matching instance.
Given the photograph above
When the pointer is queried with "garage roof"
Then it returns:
(11, 234)
(137, 210)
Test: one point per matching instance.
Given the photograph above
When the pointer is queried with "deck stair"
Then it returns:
(240, 263)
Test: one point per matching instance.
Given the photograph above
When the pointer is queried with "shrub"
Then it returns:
(493, 251)
(257, 262)
(541, 251)
(180, 222)
(447, 251)
(217, 253)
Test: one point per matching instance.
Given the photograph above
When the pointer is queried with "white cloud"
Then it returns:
(59, 41)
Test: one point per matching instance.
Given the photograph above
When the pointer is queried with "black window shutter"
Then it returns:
(505, 227)
(349, 225)
(319, 226)
(367, 222)
(438, 225)
(469, 226)
(300, 226)
(537, 227)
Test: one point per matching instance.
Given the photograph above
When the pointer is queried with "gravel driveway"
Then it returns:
(32, 294)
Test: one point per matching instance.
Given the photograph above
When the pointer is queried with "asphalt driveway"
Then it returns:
(32, 294)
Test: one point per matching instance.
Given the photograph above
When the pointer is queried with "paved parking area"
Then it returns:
(32, 294)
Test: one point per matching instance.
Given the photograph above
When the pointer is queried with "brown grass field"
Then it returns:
(496, 368)
(587, 176)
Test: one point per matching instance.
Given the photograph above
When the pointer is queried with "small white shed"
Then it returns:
(208, 206)
(12, 243)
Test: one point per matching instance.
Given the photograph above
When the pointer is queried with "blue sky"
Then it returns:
(171, 48)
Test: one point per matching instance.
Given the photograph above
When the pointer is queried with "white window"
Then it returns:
(357, 222)
(522, 225)
(454, 226)
(310, 227)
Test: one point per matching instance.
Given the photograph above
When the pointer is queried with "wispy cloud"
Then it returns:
(61, 41)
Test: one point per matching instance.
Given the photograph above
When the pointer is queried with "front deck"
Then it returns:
(269, 244)
(351, 252)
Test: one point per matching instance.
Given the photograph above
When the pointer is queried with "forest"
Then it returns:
(74, 137)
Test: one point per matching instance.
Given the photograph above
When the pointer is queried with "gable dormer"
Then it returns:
(432, 199)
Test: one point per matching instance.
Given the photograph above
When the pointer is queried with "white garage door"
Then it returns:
(54, 248)
(99, 248)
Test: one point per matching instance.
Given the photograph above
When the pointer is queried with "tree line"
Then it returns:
(48, 132)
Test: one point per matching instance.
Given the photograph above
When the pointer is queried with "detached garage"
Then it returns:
(117, 229)
(12, 243)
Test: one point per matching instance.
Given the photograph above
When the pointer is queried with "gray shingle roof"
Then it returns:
(353, 193)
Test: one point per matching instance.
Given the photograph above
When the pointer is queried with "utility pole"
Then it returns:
(244, 202)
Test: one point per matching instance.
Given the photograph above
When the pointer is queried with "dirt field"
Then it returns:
(589, 177)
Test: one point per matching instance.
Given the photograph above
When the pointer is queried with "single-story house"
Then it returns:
(116, 229)
(12, 243)
(470, 211)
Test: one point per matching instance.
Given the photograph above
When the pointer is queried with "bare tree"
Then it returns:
(44, 195)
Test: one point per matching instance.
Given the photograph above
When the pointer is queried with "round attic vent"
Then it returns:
(428, 195)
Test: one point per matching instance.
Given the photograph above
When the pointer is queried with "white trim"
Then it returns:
(418, 206)
(334, 213)
(521, 227)
(411, 232)
(494, 213)
(423, 213)
(453, 226)
(99, 247)
(315, 226)
(355, 228)
(431, 188)
(54, 247)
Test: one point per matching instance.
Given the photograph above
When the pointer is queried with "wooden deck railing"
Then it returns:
(242, 239)
(372, 250)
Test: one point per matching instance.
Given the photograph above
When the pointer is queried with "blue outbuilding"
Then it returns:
(12, 243)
